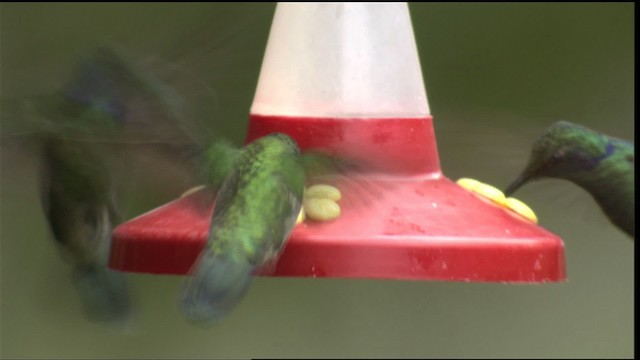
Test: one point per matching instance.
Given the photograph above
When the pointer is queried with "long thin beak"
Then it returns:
(516, 184)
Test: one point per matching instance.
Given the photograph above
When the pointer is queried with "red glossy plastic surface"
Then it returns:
(417, 225)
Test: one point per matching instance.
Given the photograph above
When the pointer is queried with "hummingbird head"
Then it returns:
(95, 84)
(566, 151)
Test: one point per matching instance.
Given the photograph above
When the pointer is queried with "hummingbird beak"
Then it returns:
(517, 183)
(532, 171)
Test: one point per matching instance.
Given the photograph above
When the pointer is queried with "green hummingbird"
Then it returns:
(258, 201)
(76, 183)
(109, 104)
(600, 164)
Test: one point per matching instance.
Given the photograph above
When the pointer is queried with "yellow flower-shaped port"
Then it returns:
(320, 204)
(468, 183)
(323, 191)
(521, 208)
(489, 192)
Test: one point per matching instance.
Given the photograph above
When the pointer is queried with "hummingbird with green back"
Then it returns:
(259, 198)
(76, 184)
(600, 164)
(109, 104)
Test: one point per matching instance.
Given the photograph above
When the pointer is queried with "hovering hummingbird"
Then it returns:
(77, 201)
(600, 164)
(76, 185)
(110, 103)
(259, 198)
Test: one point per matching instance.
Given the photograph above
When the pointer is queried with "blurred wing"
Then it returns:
(320, 164)
(217, 162)
(356, 180)
(109, 99)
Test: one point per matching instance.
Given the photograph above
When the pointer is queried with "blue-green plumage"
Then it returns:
(76, 198)
(108, 105)
(600, 164)
(255, 211)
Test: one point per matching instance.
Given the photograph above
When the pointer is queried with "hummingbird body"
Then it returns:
(101, 110)
(77, 192)
(254, 213)
(602, 165)
(76, 199)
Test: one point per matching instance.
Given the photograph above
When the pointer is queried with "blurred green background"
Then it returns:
(496, 75)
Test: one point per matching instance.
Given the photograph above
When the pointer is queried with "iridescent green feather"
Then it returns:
(254, 214)
(602, 165)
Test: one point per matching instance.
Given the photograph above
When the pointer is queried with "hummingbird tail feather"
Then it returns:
(104, 293)
(216, 286)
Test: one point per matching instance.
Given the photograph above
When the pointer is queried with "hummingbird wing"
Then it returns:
(217, 162)
(352, 177)
(109, 99)
(111, 106)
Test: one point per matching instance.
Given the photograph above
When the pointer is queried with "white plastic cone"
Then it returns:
(341, 60)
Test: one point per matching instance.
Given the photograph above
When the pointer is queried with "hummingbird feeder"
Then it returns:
(345, 77)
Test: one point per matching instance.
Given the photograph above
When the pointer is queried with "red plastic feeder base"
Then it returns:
(420, 226)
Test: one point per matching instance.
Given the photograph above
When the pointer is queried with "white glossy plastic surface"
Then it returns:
(344, 60)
